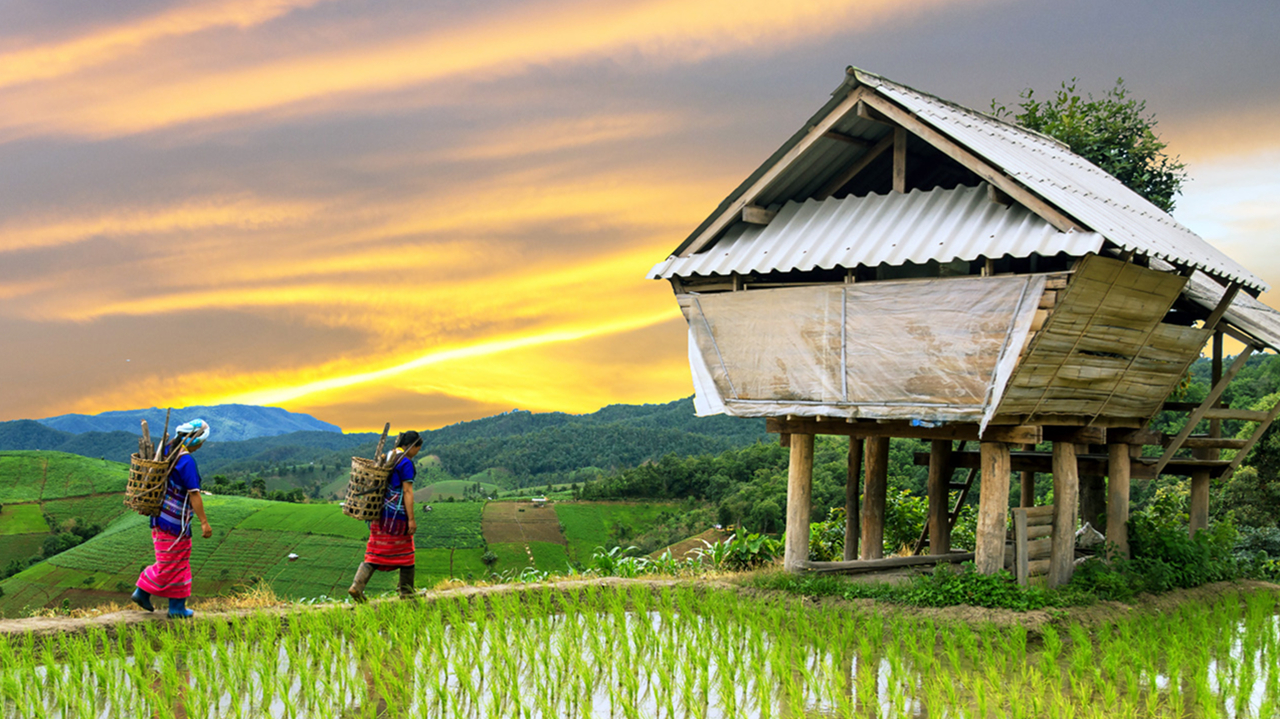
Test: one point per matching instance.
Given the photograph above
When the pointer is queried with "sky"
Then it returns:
(425, 212)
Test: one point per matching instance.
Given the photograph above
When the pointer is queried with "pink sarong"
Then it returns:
(170, 576)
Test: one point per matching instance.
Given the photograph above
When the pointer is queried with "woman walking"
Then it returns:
(391, 535)
(170, 576)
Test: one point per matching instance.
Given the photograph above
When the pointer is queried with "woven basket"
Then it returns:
(366, 490)
(145, 491)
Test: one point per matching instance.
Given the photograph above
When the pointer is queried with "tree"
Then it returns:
(1112, 132)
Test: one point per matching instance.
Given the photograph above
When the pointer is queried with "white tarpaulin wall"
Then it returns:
(939, 350)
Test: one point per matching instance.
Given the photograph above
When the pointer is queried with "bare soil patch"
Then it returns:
(520, 522)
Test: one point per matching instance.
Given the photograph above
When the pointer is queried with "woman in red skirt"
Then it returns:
(170, 576)
(391, 535)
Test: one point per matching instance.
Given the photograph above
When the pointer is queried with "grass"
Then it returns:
(449, 525)
(325, 519)
(452, 488)
(22, 519)
(20, 546)
(98, 509)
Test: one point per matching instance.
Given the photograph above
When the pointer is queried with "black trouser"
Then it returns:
(365, 570)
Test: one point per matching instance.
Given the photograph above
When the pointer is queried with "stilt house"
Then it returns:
(906, 267)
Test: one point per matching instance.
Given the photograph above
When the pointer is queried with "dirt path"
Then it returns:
(1090, 616)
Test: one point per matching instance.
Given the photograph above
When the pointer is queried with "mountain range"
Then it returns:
(230, 422)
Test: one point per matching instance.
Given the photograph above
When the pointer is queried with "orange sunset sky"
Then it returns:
(427, 212)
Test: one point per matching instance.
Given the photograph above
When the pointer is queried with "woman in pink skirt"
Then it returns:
(170, 576)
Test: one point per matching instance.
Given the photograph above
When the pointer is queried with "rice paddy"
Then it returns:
(640, 650)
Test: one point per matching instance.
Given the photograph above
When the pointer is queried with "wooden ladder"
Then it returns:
(954, 514)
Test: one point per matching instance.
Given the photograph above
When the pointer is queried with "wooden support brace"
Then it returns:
(940, 469)
(873, 498)
(1118, 498)
(1066, 489)
(1204, 409)
(852, 523)
(993, 507)
(757, 215)
(899, 160)
(857, 167)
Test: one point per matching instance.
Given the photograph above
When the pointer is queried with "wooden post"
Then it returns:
(939, 496)
(1066, 491)
(873, 497)
(1118, 497)
(1093, 500)
(1199, 498)
(799, 495)
(993, 507)
(852, 527)
(1021, 562)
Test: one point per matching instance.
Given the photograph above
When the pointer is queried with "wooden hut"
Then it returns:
(906, 267)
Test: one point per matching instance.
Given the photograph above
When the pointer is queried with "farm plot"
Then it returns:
(27, 476)
(98, 509)
(455, 525)
(520, 522)
(22, 519)
(325, 519)
(589, 525)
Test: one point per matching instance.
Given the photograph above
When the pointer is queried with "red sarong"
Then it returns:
(170, 576)
(388, 551)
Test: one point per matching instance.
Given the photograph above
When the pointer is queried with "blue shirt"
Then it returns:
(395, 519)
(175, 510)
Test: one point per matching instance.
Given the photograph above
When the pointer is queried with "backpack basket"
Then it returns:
(145, 491)
(367, 489)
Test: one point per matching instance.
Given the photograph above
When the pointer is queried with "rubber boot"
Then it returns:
(363, 572)
(178, 609)
(407, 590)
(142, 599)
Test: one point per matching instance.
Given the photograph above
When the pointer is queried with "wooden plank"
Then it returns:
(1213, 443)
(1037, 531)
(852, 520)
(955, 151)
(873, 498)
(799, 497)
(940, 470)
(1020, 540)
(757, 215)
(748, 197)
(1076, 435)
(858, 166)
(1118, 470)
(875, 565)
(1066, 488)
(1244, 415)
(1144, 436)
(1034, 548)
(1038, 568)
(899, 160)
(993, 507)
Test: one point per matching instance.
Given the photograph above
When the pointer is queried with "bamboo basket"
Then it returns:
(145, 491)
(366, 490)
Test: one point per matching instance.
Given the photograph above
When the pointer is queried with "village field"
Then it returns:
(253, 539)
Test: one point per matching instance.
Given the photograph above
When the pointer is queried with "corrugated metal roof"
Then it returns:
(893, 229)
(1245, 313)
(1077, 187)
(1042, 164)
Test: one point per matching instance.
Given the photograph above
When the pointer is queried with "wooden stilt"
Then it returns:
(993, 507)
(852, 526)
(799, 496)
(939, 495)
(873, 498)
(1027, 497)
(1118, 498)
(1066, 491)
(1199, 501)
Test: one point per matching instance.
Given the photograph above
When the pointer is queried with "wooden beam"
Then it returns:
(873, 498)
(979, 166)
(757, 215)
(1076, 435)
(1013, 434)
(858, 166)
(875, 565)
(847, 139)
(1118, 465)
(993, 507)
(1066, 489)
(1204, 408)
(1020, 541)
(940, 469)
(899, 160)
(998, 196)
(799, 497)
(1120, 435)
(1141, 468)
(748, 197)
(852, 525)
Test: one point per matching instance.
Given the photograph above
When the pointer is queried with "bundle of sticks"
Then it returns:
(147, 450)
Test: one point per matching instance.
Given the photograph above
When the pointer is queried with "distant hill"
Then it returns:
(230, 422)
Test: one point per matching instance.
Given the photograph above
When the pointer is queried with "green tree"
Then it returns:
(1113, 132)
